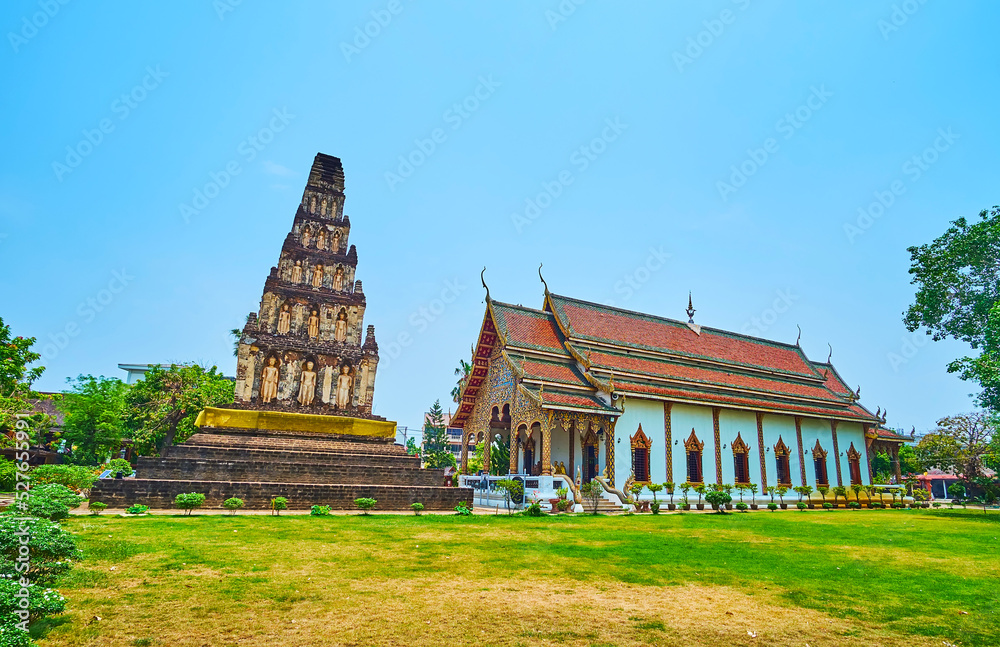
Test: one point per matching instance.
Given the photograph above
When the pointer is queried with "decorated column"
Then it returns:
(547, 446)
(760, 448)
(798, 439)
(836, 451)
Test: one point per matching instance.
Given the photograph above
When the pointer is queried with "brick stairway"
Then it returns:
(306, 468)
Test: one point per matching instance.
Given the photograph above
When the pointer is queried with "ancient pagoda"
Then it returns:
(303, 351)
(301, 426)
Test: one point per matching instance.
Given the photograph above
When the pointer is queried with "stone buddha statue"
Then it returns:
(344, 383)
(335, 245)
(269, 381)
(307, 389)
(297, 272)
(313, 325)
(340, 329)
(338, 278)
(317, 281)
(284, 320)
(321, 239)
(306, 236)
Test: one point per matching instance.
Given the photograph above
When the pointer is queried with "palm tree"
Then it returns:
(237, 334)
(463, 370)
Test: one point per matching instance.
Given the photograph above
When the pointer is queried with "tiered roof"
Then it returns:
(577, 355)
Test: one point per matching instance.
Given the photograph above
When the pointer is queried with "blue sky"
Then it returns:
(640, 150)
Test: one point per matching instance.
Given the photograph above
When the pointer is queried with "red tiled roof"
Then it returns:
(528, 328)
(576, 400)
(594, 322)
(737, 400)
(709, 376)
(550, 371)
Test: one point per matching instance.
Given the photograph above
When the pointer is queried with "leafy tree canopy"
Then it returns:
(163, 406)
(93, 413)
(958, 291)
(15, 384)
(436, 452)
(961, 444)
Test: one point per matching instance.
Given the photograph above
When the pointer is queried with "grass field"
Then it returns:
(790, 578)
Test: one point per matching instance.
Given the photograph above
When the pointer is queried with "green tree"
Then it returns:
(960, 444)
(463, 370)
(163, 406)
(958, 296)
(15, 387)
(92, 418)
(435, 449)
(411, 447)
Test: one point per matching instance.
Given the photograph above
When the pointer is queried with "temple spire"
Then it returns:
(690, 309)
(543, 279)
(482, 277)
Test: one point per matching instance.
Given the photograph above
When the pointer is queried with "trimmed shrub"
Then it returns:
(118, 465)
(365, 504)
(827, 505)
(463, 510)
(232, 504)
(76, 477)
(97, 507)
(8, 475)
(772, 506)
(320, 510)
(417, 508)
(278, 504)
(801, 505)
(52, 549)
(56, 492)
(137, 508)
(45, 508)
(41, 601)
(854, 505)
(742, 507)
(189, 501)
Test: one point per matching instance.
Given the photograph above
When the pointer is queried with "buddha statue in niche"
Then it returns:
(344, 384)
(307, 388)
(284, 320)
(335, 245)
(306, 236)
(340, 328)
(297, 272)
(269, 381)
(312, 325)
(338, 278)
(321, 239)
(317, 281)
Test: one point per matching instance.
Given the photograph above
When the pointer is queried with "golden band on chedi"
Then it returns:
(278, 420)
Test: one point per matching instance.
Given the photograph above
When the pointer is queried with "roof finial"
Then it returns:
(799, 338)
(690, 310)
(884, 414)
(878, 414)
(543, 279)
(482, 277)
(830, 356)
(858, 392)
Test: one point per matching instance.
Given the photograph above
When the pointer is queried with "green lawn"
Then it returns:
(822, 578)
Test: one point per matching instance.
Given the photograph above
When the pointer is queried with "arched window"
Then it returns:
(741, 460)
(854, 463)
(819, 461)
(640, 456)
(590, 456)
(781, 463)
(694, 448)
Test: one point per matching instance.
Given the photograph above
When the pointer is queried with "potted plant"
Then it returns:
(823, 489)
(670, 490)
(564, 505)
(857, 488)
(700, 489)
(655, 505)
(869, 490)
(782, 491)
(718, 498)
(753, 500)
(839, 491)
(806, 491)
(685, 488)
(853, 505)
(728, 489)
(417, 508)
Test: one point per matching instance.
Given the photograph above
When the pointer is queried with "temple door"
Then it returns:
(590, 471)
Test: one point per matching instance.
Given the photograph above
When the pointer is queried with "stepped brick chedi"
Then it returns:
(303, 350)
(301, 426)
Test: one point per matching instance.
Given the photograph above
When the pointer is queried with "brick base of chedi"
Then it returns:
(302, 425)
(307, 468)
